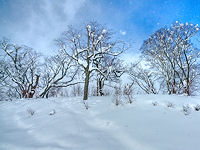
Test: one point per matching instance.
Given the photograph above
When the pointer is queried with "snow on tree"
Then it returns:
(19, 70)
(144, 78)
(112, 70)
(87, 47)
(59, 71)
(171, 53)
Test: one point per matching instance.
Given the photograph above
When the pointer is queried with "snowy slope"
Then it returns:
(137, 126)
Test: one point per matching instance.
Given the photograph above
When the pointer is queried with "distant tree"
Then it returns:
(144, 78)
(87, 47)
(112, 70)
(77, 90)
(170, 51)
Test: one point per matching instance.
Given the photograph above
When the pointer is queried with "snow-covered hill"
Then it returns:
(64, 124)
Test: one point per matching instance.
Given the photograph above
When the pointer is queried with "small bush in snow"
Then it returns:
(85, 104)
(107, 92)
(197, 107)
(155, 103)
(186, 109)
(52, 112)
(128, 91)
(170, 105)
(30, 111)
(117, 95)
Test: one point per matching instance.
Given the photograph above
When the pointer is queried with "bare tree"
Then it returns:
(112, 70)
(77, 90)
(20, 69)
(171, 53)
(86, 47)
(144, 78)
(128, 91)
(59, 71)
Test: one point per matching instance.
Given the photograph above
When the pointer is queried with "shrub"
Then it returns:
(155, 103)
(117, 95)
(170, 105)
(128, 91)
(30, 111)
(52, 112)
(197, 107)
(186, 109)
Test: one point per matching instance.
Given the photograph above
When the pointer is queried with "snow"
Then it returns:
(104, 31)
(89, 27)
(104, 126)
(82, 62)
(100, 37)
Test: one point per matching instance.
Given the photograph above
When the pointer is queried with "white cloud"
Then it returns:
(38, 23)
(122, 32)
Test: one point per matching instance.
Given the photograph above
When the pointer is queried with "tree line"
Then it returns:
(169, 63)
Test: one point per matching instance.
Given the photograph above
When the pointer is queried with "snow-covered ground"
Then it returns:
(64, 124)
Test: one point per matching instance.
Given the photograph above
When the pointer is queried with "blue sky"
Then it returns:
(37, 23)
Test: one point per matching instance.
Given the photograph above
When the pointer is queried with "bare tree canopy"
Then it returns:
(59, 71)
(170, 52)
(19, 69)
(88, 46)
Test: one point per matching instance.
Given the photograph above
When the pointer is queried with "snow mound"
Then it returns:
(64, 124)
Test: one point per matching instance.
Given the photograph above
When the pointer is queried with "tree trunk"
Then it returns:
(168, 87)
(187, 89)
(86, 86)
(174, 87)
(45, 92)
(101, 88)
(33, 88)
(97, 86)
(24, 94)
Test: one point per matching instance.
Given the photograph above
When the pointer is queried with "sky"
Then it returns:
(37, 23)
